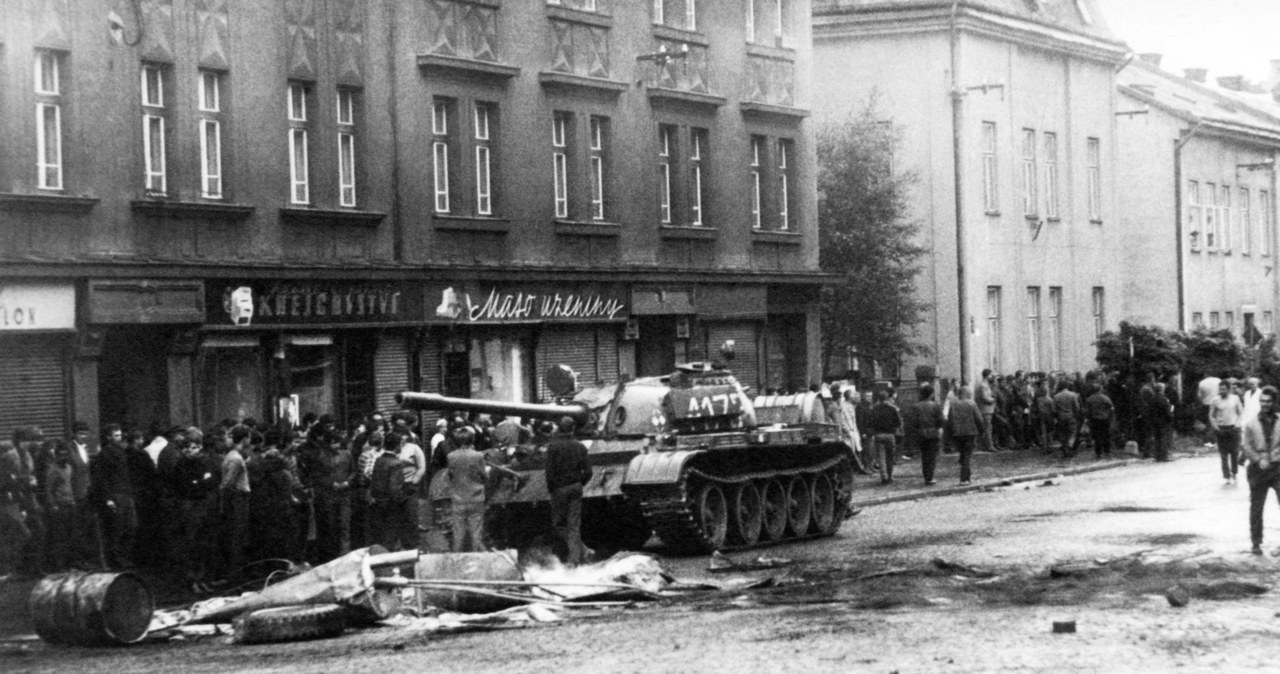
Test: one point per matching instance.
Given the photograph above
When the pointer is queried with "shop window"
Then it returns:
(232, 385)
(312, 374)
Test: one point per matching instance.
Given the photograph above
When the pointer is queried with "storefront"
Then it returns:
(284, 349)
(37, 330)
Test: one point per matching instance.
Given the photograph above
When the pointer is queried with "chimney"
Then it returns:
(1233, 83)
(1151, 58)
(1197, 74)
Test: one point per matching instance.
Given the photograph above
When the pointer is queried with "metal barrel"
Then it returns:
(91, 609)
(413, 400)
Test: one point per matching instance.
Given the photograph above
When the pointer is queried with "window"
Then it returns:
(153, 128)
(441, 149)
(48, 89)
(697, 169)
(784, 184)
(1033, 328)
(598, 156)
(757, 144)
(990, 184)
(346, 147)
(299, 170)
(584, 5)
(1055, 328)
(1265, 217)
(1051, 175)
(1211, 238)
(1246, 222)
(1268, 324)
(666, 134)
(993, 327)
(1099, 311)
(1197, 319)
(1195, 215)
(1250, 329)
(1094, 158)
(1225, 222)
(768, 21)
(560, 123)
(676, 13)
(209, 109)
(1030, 202)
(482, 122)
(1215, 320)
(1230, 322)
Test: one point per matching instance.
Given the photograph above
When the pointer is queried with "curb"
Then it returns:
(988, 484)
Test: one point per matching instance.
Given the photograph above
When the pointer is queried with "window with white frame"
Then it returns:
(1033, 328)
(1030, 200)
(49, 103)
(153, 128)
(299, 143)
(597, 153)
(1245, 215)
(346, 118)
(482, 132)
(1215, 320)
(1093, 157)
(757, 148)
(697, 175)
(666, 157)
(1211, 237)
(1226, 221)
(209, 113)
(1197, 319)
(676, 13)
(1268, 324)
(1229, 321)
(1099, 310)
(990, 182)
(1051, 175)
(1266, 218)
(994, 340)
(442, 148)
(769, 21)
(1055, 328)
(584, 5)
(560, 130)
(1195, 215)
(784, 183)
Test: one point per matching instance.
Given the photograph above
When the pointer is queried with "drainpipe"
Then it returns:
(1178, 144)
(397, 229)
(957, 117)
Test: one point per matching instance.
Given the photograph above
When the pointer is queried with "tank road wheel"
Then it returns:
(713, 515)
(746, 514)
(798, 506)
(824, 505)
(773, 498)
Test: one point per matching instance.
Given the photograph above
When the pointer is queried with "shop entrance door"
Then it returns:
(656, 348)
(133, 377)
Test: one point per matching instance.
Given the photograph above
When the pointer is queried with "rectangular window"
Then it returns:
(209, 108)
(1230, 322)
(598, 154)
(1215, 320)
(784, 184)
(484, 114)
(1099, 311)
(676, 13)
(1094, 158)
(1246, 221)
(299, 150)
(1033, 328)
(1249, 330)
(1197, 319)
(1268, 324)
(48, 89)
(441, 124)
(659, 12)
(993, 328)
(1030, 201)
(1265, 216)
(756, 144)
(153, 123)
(1211, 237)
(1051, 175)
(1225, 221)
(665, 156)
(346, 147)
(751, 20)
(1055, 328)
(990, 184)
(560, 161)
(1195, 215)
(697, 175)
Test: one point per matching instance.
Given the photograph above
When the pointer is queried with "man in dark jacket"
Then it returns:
(966, 423)
(929, 423)
(1100, 411)
(112, 491)
(388, 513)
(1159, 416)
(884, 424)
(567, 471)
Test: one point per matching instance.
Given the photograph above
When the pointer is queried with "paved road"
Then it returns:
(838, 618)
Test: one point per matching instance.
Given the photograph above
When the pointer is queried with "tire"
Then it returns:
(290, 623)
(746, 514)
(713, 515)
(773, 498)
(798, 506)
(823, 510)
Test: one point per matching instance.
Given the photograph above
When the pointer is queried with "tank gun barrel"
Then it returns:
(412, 400)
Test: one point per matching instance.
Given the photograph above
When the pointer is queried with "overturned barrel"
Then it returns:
(91, 609)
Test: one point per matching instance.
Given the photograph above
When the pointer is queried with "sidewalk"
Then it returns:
(989, 469)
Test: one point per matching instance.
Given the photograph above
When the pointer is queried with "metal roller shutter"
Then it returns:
(574, 346)
(33, 385)
(430, 375)
(607, 353)
(391, 370)
(746, 358)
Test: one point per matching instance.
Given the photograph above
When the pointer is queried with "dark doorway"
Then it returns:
(133, 377)
(656, 348)
(457, 368)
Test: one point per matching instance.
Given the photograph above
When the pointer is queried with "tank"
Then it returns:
(685, 456)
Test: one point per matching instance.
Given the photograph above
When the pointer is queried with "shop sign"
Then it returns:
(292, 303)
(37, 306)
(534, 303)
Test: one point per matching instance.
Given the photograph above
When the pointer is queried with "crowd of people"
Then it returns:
(211, 502)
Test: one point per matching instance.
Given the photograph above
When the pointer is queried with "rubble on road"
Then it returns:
(721, 563)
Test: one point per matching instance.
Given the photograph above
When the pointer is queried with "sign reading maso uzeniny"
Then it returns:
(526, 303)
(279, 303)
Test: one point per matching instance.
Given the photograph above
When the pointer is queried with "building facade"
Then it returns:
(1200, 201)
(1006, 108)
(219, 208)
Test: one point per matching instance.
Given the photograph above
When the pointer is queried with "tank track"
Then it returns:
(671, 512)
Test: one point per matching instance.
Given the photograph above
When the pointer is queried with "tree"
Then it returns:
(1141, 350)
(866, 238)
(1212, 353)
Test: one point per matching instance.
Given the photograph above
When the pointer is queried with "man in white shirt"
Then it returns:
(1252, 399)
(1225, 414)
